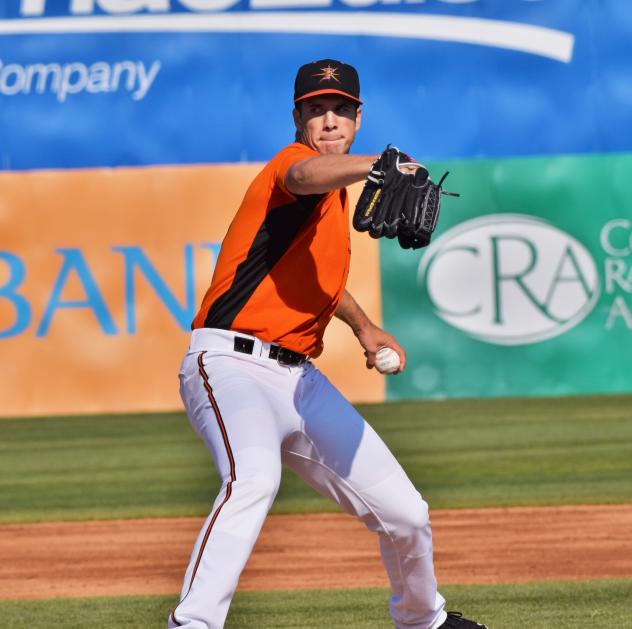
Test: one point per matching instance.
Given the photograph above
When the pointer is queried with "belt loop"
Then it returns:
(243, 345)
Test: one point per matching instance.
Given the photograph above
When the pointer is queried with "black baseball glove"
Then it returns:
(399, 200)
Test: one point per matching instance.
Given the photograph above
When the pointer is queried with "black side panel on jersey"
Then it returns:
(271, 241)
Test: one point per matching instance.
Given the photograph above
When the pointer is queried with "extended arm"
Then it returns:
(316, 175)
(368, 334)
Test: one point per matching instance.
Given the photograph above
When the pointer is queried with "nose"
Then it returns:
(330, 120)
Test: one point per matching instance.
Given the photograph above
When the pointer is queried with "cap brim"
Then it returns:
(328, 91)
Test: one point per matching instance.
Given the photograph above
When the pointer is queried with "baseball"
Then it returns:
(386, 360)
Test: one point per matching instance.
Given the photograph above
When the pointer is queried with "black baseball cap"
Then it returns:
(327, 76)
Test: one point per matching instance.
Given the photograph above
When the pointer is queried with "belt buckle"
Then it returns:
(288, 358)
(284, 358)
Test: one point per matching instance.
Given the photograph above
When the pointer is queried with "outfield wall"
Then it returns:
(130, 128)
(100, 312)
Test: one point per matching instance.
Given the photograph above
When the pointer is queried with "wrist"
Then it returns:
(361, 327)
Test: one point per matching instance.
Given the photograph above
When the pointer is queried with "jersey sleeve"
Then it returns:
(285, 159)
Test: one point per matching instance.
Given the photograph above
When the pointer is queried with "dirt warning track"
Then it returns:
(123, 557)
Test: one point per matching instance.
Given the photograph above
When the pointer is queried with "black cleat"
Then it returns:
(455, 620)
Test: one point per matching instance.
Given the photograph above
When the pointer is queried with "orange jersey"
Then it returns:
(283, 264)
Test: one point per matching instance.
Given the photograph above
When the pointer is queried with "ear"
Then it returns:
(358, 120)
(298, 123)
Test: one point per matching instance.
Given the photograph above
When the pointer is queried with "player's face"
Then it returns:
(327, 123)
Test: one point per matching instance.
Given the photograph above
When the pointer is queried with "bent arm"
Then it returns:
(370, 336)
(322, 173)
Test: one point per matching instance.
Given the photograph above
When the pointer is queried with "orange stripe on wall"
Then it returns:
(159, 210)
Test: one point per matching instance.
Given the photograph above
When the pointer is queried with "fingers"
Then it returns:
(409, 169)
(402, 359)
(375, 344)
(370, 359)
(397, 348)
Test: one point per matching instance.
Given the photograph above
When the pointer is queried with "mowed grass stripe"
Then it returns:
(459, 453)
(596, 604)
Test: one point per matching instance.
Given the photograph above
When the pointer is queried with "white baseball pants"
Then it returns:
(253, 414)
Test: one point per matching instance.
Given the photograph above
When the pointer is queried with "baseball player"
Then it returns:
(251, 391)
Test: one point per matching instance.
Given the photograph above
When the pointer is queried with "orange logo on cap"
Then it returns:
(328, 73)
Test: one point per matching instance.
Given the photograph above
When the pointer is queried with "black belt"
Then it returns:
(283, 356)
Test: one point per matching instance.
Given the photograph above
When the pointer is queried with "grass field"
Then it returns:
(597, 604)
(467, 453)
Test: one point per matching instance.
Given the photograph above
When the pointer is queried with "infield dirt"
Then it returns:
(501, 545)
